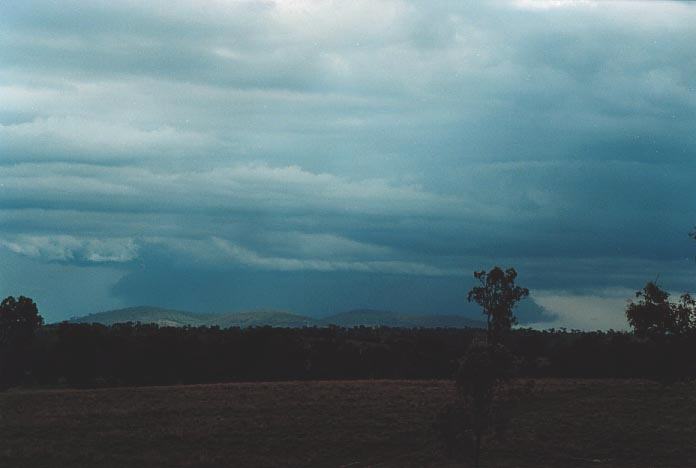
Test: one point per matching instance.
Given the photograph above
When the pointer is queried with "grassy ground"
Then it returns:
(363, 423)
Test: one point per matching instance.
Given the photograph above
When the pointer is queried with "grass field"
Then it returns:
(571, 423)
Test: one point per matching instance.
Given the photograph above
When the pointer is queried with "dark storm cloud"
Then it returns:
(277, 149)
(313, 292)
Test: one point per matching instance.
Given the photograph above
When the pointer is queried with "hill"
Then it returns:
(275, 318)
(146, 314)
(178, 318)
(369, 317)
(258, 318)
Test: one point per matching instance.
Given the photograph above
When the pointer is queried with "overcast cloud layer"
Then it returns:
(321, 156)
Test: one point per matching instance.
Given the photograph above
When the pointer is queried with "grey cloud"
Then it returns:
(223, 254)
(383, 140)
(65, 248)
(259, 186)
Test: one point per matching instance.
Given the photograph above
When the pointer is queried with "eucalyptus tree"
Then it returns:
(498, 295)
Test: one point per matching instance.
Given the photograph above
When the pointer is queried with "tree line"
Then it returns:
(145, 354)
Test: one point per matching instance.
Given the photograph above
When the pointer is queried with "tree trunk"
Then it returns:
(489, 338)
(477, 450)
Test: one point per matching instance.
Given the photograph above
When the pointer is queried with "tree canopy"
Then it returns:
(654, 315)
(497, 294)
(18, 320)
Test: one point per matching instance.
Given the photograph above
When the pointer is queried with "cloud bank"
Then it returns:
(331, 155)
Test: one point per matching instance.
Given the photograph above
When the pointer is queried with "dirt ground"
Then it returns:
(564, 423)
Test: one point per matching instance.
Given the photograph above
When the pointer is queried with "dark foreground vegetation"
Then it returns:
(561, 423)
(131, 354)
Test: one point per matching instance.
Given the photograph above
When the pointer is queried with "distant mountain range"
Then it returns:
(369, 317)
(275, 318)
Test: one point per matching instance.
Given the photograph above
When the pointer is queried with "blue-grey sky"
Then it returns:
(321, 156)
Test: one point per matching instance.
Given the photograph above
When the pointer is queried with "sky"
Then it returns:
(320, 156)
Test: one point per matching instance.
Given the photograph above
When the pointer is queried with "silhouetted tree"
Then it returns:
(19, 318)
(650, 316)
(654, 315)
(485, 366)
(497, 295)
(684, 314)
